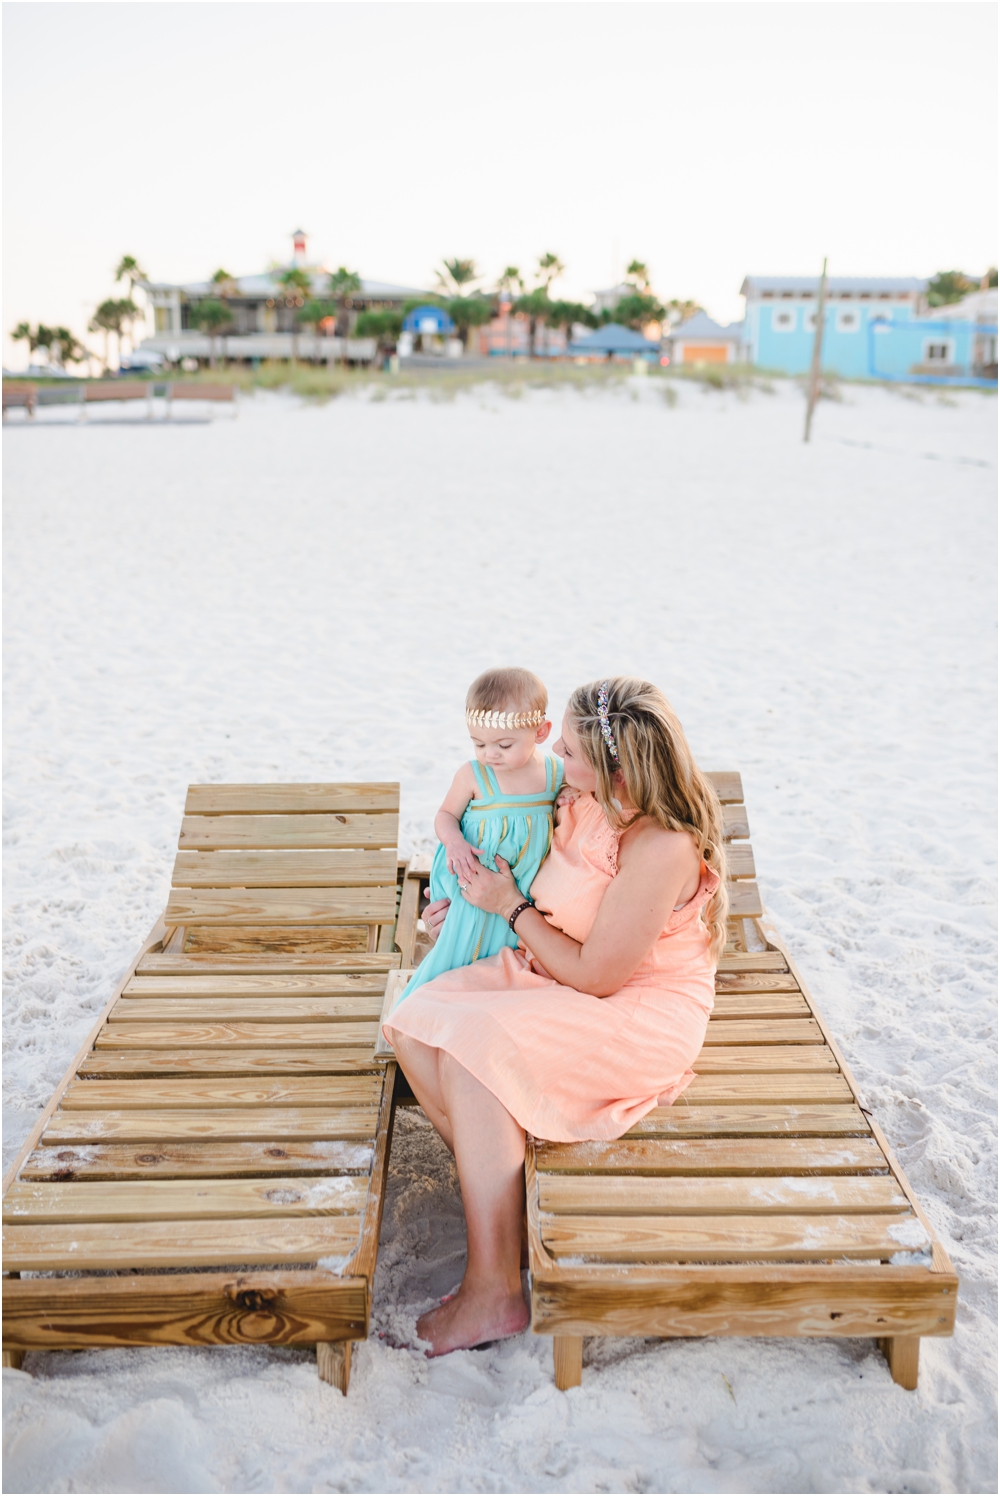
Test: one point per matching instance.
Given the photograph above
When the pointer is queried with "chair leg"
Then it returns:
(333, 1362)
(903, 1355)
(567, 1354)
(13, 1359)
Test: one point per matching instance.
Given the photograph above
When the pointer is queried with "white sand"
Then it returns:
(305, 593)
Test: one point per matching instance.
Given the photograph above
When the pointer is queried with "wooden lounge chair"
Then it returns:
(766, 1201)
(225, 1120)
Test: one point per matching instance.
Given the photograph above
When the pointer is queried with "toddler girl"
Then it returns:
(499, 803)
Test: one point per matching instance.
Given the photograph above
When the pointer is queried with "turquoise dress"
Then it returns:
(519, 828)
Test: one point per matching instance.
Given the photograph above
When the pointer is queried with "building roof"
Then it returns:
(702, 326)
(267, 284)
(978, 306)
(613, 339)
(801, 285)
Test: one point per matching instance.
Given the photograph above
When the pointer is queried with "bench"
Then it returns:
(19, 397)
(225, 1120)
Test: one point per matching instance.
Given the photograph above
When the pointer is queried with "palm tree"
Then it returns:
(550, 268)
(107, 319)
(129, 269)
(567, 314)
(511, 282)
(68, 349)
(637, 275)
(344, 286)
(467, 312)
(25, 333)
(128, 313)
(455, 275)
(212, 316)
(298, 285)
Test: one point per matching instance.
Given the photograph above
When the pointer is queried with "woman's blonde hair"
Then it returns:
(661, 777)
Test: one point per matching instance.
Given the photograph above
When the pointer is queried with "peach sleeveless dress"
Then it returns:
(566, 1065)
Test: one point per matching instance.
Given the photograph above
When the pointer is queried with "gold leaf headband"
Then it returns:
(480, 718)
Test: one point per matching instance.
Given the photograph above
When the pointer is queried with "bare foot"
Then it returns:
(469, 1319)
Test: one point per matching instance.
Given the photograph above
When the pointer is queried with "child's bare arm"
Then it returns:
(462, 857)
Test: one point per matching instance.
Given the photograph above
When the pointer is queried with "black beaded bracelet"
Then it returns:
(528, 904)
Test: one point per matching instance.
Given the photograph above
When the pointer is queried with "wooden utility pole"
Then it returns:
(817, 360)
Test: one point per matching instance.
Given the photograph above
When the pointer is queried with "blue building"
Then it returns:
(874, 328)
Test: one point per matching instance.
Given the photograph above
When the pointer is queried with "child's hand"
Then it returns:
(463, 858)
(567, 795)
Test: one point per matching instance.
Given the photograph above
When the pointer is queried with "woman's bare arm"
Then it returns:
(655, 869)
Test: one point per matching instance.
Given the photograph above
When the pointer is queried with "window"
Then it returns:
(809, 319)
(783, 320)
(848, 319)
(941, 352)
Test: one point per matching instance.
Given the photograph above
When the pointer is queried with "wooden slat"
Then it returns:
(292, 906)
(196, 1160)
(751, 1121)
(564, 1194)
(393, 992)
(110, 1063)
(742, 1059)
(757, 1005)
(727, 785)
(707, 1156)
(285, 869)
(744, 901)
(33, 1204)
(297, 1091)
(250, 1009)
(734, 821)
(256, 946)
(276, 1307)
(764, 1238)
(715, 1090)
(753, 961)
(406, 922)
(763, 1031)
(740, 863)
(177, 1243)
(289, 799)
(223, 1124)
(265, 963)
(671, 1300)
(235, 1036)
(750, 982)
(297, 985)
(220, 833)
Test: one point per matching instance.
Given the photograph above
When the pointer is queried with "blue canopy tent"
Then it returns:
(429, 319)
(610, 340)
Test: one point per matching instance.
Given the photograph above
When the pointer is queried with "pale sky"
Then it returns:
(710, 139)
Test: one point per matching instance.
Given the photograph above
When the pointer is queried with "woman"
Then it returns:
(599, 1013)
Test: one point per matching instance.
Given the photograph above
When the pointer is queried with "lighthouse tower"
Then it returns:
(299, 247)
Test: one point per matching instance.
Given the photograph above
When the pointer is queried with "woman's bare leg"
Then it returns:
(489, 1152)
(421, 1065)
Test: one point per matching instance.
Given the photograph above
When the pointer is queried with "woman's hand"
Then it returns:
(434, 917)
(497, 893)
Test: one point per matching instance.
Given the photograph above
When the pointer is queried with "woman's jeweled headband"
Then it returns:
(606, 733)
(481, 718)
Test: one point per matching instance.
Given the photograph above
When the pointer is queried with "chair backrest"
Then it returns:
(18, 395)
(121, 389)
(203, 392)
(265, 867)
